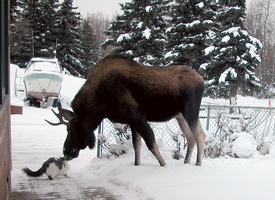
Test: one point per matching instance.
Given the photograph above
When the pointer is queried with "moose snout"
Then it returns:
(70, 154)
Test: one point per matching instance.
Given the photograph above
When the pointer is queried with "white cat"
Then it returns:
(53, 167)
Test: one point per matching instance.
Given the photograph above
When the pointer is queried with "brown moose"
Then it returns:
(125, 91)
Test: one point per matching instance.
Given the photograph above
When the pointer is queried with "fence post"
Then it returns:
(99, 148)
(208, 118)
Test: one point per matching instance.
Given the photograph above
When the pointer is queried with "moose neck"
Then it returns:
(90, 124)
(86, 113)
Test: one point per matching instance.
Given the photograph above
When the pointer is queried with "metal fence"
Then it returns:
(215, 120)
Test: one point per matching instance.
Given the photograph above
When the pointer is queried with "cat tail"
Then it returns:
(31, 173)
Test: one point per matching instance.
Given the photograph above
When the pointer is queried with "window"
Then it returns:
(4, 50)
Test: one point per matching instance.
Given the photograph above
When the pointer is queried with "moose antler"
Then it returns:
(59, 116)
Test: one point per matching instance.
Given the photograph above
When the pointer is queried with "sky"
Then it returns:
(108, 7)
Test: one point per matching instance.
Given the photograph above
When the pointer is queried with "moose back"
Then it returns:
(125, 91)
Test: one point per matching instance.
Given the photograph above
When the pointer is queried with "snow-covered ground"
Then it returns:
(220, 178)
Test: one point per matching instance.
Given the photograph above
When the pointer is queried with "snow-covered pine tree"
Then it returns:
(191, 28)
(32, 14)
(49, 26)
(233, 55)
(14, 10)
(91, 53)
(139, 31)
(40, 19)
(20, 35)
(41, 16)
(69, 45)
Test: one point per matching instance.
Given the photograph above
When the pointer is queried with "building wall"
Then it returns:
(5, 150)
(5, 127)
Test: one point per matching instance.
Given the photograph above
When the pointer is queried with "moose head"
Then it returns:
(77, 137)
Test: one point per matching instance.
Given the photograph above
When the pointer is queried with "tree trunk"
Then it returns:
(233, 97)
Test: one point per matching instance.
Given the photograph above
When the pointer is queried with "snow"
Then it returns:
(168, 30)
(148, 8)
(15, 71)
(244, 145)
(208, 50)
(74, 84)
(200, 5)
(233, 30)
(253, 51)
(192, 24)
(146, 33)
(203, 66)
(171, 54)
(208, 22)
(139, 25)
(224, 178)
(225, 39)
(231, 71)
(123, 36)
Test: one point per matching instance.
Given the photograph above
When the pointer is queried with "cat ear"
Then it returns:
(91, 140)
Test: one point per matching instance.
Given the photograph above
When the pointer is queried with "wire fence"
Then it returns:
(217, 121)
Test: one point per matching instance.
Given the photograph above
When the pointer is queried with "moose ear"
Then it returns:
(67, 114)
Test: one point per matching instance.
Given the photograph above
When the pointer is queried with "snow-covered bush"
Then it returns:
(181, 144)
(122, 143)
(222, 140)
(218, 143)
(238, 135)
(266, 145)
(243, 145)
(215, 147)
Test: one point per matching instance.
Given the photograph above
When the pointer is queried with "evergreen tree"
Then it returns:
(41, 17)
(48, 37)
(233, 56)
(14, 10)
(32, 12)
(139, 31)
(91, 54)
(192, 27)
(21, 43)
(69, 47)
(20, 36)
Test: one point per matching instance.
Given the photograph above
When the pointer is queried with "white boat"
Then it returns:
(43, 78)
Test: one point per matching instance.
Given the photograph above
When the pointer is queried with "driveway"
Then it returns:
(33, 142)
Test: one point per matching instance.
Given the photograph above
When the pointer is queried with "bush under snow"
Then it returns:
(243, 145)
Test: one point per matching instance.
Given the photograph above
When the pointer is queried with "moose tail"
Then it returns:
(33, 173)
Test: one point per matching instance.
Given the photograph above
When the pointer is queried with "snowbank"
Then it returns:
(70, 87)
(15, 71)
(223, 178)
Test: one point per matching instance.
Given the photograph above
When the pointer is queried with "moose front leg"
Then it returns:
(145, 131)
(137, 145)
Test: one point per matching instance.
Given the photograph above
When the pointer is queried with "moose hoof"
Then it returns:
(198, 163)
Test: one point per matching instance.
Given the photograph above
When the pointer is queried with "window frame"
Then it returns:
(4, 50)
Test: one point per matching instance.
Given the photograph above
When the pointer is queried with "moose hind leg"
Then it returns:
(137, 145)
(189, 137)
(200, 140)
(145, 131)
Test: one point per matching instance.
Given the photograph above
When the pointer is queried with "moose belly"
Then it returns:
(160, 115)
